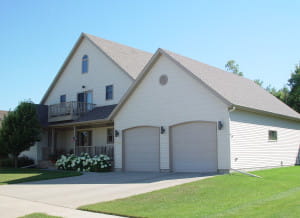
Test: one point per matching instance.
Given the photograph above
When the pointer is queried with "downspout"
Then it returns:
(231, 109)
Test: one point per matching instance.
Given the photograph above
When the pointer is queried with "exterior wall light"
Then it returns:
(220, 125)
(83, 87)
(116, 133)
(162, 130)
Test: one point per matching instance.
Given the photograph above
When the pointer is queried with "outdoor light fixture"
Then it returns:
(83, 87)
(220, 125)
(116, 133)
(162, 130)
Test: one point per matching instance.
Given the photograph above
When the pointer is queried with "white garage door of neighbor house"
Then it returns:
(141, 149)
(194, 147)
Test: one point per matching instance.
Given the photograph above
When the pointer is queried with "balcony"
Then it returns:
(67, 111)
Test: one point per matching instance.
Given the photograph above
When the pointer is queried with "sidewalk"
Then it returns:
(13, 207)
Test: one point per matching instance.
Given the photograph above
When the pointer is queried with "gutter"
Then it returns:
(231, 109)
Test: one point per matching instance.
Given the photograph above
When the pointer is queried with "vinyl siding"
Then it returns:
(182, 99)
(35, 151)
(250, 146)
(101, 72)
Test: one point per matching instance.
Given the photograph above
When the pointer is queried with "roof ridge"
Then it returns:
(129, 59)
(208, 65)
(116, 43)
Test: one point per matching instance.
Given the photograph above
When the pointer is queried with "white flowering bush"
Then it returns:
(84, 163)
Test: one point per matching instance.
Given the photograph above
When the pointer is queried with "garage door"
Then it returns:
(141, 149)
(194, 147)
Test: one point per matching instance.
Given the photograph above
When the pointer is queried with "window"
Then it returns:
(63, 98)
(272, 135)
(84, 138)
(110, 136)
(85, 63)
(109, 92)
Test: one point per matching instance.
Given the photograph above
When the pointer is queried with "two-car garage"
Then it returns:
(193, 148)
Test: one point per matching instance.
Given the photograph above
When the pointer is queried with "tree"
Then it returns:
(294, 84)
(259, 82)
(233, 67)
(281, 94)
(20, 130)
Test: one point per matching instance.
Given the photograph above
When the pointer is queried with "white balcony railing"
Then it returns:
(68, 110)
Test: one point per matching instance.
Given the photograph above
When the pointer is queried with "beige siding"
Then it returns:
(102, 72)
(250, 147)
(31, 153)
(182, 99)
(99, 136)
(65, 141)
(35, 151)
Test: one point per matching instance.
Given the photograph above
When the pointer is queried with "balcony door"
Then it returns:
(85, 101)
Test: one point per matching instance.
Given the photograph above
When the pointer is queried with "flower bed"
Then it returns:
(84, 163)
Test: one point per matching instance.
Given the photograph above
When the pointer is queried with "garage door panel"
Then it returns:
(141, 149)
(194, 147)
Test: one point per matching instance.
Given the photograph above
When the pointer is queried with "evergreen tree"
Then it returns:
(294, 95)
(20, 130)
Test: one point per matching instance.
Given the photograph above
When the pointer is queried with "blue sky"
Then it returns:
(36, 36)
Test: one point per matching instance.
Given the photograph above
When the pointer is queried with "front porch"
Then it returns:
(94, 139)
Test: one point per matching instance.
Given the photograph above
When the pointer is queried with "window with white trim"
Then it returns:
(109, 92)
(63, 98)
(110, 136)
(272, 135)
(85, 64)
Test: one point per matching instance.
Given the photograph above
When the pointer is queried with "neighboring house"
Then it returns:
(163, 112)
(2, 114)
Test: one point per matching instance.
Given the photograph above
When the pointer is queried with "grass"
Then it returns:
(39, 215)
(277, 194)
(12, 176)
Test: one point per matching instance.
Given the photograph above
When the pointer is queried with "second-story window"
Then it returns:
(109, 92)
(85, 64)
(63, 98)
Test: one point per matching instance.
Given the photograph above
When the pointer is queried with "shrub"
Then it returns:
(22, 162)
(84, 163)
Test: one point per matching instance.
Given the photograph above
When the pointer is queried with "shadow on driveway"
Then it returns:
(120, 178)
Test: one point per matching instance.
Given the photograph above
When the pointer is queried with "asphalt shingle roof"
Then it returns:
(98, 113)
(237, 90)
(130, 59)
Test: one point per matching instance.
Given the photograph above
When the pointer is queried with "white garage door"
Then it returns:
(194, 147)
(141, 149)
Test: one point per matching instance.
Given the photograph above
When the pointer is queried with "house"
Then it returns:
(2, 114)
(163, 112)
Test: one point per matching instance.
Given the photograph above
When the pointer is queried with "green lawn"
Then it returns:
(11, 176)
(39, 215)
(277, 194)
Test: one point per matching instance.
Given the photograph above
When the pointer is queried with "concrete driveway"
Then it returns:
(73, 192)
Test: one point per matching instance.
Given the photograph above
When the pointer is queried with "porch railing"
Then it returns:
(96, 150)
(70, 110)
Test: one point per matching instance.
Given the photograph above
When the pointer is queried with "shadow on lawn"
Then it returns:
(37, 175)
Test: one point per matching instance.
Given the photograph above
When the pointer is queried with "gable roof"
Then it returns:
(130, 60)
(232, 89)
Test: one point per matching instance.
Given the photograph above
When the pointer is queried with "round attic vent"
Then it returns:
(163, 80)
